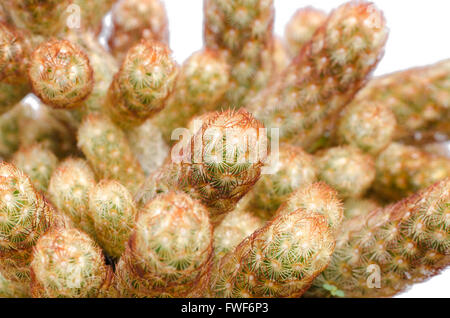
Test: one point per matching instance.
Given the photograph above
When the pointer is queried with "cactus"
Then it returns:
(301, 28)
(281, 58)
(66, 264)
(284, 176)
(108, 151)
(11, 289)
(24, 216)
(144, 81)
(418, 97)
(279, 260)
(92, 12)
(60, 74)
(402, 170)
(112, 210)
(147, 143)
(293, 169)
(402, 244)
(235, 227)
(317, 198)
(368, 126)
(69, 189)
(53, 128)
(243, 31)
(136, 19)
(202, 81)
(43, 17)
(218, 166)
(170, 251)
(103, 65)
(350, 171)
(10, 131)
(38, 163)
(304, 100)
(355, 207)
(15, 48)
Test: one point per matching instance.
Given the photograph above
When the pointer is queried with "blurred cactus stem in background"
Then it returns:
(243, 31)
(306, 98)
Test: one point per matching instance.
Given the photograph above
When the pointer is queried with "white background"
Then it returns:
(419, 35)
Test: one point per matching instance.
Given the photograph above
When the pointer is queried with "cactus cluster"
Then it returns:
(262, 166)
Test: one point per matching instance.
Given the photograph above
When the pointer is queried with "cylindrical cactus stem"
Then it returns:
(10, 131)
(136, 19)
(381, 253)
(301, 28)
(54, 128)
(280, 56)
(91, 14)
(15, 49)
(347, 169)
(108, 151)
(38, 163)
(419, 97)
(235, 227)
(354, 207)
(317, 198)
(112, 210)
(243, 30)
(281, 259)
(103, 65)
(402, 170)
(60, 74)
(24, 216)
(217, 165)
(69, 189)
(201, 82)
(67, 263)
(15, 274)
(24, 213)
(12, 289)
(368, 126)
(141, 87)
(43, 17)
(4, 15)
(305, 99)
(170, 252)
(292, 169)
(147, 143)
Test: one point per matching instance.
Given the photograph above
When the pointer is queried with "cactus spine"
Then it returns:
(136, 19)
(418, 97)
(301, 28)
(305, 99)
(112, 210)
(60, 74)
(170, 251)
(218, 166)
(402, 170)
(144, 81)
(202, 81)
(68, 264)
(295, 168)
(402, 244)
(69, 189)
(350, 171)
(38, 163)
(243, 31)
